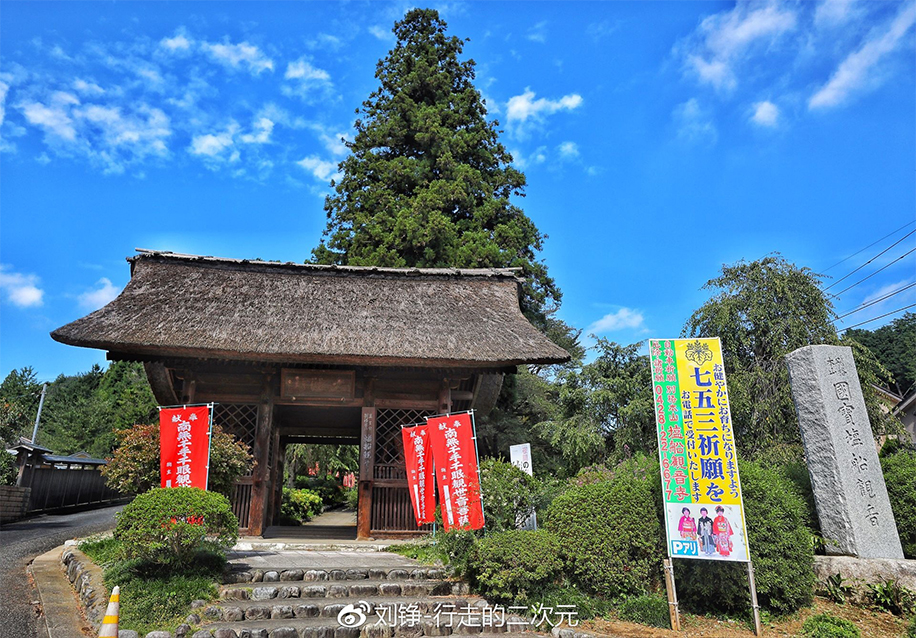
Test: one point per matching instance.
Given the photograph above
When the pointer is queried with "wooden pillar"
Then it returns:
(445, 397)
(260, 482)
(275, 489)
(366, 464)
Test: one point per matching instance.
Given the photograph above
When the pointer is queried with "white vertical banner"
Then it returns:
(520, 457)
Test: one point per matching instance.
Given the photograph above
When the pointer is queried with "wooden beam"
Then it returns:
(261, 451)
(444, 404)
(160, 382)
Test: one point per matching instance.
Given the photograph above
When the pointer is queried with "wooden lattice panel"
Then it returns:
(239, 420)
(389, 446)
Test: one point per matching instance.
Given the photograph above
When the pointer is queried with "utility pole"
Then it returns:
(41, 402)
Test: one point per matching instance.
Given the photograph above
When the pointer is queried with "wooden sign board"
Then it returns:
(311, 384)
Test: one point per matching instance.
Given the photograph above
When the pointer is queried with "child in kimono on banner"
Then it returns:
(723, 532)
(704, 529)
(687, 525)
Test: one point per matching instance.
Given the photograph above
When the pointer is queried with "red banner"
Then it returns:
(418, 454)
(184, 444)
(455, 455)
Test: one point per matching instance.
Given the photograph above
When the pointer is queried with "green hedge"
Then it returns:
(610, 535)
(827, 626)
(781, 550)
(516, 566)
(649, 610)
(299, 506)
(900, 476)
(172, 525)
(509, 494)
(9, 471)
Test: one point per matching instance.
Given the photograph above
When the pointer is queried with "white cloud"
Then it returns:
(522, 107)
(213, 144)
(238, 55)
(87, 88)
(538, 156)
(855, 72)
(55, 120)
(831, 13)
(722, 39)
(694, 123)
(383, 34)
(302, 70)
(538, 33)
(4, 89)
(765, 114)
(142, 133)
(625, 318)
(178, 43)
(100, 296)
(322, 170)
(568, 150)
(21, 290)
(261, 134)
(889, 288)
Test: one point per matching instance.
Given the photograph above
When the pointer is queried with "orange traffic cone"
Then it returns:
(109, 628)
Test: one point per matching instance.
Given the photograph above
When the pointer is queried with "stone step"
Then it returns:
(344, 589)
(398, 572)
(330, 628)
(377, 608)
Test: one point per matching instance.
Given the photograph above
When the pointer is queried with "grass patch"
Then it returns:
(427, 552)
(154, 596)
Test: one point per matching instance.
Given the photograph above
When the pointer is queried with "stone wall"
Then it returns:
(14, 502)
(86, 578)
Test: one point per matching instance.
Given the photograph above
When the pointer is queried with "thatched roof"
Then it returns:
(190, 306)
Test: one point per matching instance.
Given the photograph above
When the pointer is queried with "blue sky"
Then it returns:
(660, 140)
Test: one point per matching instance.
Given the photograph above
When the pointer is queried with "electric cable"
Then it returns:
(888, 265)
(868, 262)
(874, 301)
(870, 245)
(886, 314)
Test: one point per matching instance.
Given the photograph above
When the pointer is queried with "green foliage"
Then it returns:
(516, 566)
(762, 311)
(900, 477)
(827, 626)
(893, 345)
(134, 466)
(19, 396)
(427, 182)
(781, 550)
(171, 525)
(456, 546)
(911, 628)
(509, 494)
(103, 551)
(605, 408)
(9, 471)
(426, 551)
(789, 460)
(893, 597)
(610, 534)
(648, 610)
(837, 589)
(333, 460)
(330, 489)
(299, 506)
(351, 498)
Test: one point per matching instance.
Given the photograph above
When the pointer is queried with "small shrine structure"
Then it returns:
(302, 353)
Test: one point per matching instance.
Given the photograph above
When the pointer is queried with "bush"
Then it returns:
(299, 506)
(456, 546)
(781, 550)
(516, 566)
(352, 498)
(134, 467)
(610, 535)
(509, 494)
(9, 471)
(171, 525)
(327, 487)
(646, 610)
(900, 476)
(827, 626)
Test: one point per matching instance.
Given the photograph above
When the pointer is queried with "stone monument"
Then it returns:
(849, 489)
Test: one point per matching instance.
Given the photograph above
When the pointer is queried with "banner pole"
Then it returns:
(673, 612)
(209, 443)
(754, 605)
(483, 514)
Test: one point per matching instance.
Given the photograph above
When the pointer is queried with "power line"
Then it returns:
(892, 312)
(888, 265)
(869, 261)
(874, 301)
(870, 245)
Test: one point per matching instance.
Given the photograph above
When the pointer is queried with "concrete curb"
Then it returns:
(60, 609)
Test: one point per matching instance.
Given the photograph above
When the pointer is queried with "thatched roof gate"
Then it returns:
(307, 353)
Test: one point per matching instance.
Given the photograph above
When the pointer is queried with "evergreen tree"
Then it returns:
(427, 183)
(894, 345)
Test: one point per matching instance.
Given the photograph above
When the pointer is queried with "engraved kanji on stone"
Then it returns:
(842, 390)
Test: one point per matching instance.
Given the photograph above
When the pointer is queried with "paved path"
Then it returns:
(22, 541)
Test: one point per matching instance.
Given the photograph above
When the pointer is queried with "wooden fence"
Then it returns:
(55, 488)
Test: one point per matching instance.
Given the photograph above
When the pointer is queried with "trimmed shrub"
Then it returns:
(781, 550)
(610, 534)
(352, 498)
(456, 546)
(509, 494)
(646, 610)
(9, 471)
(827, 626)
(299, 506)
(516, 566)
(172, 525)
(900, 476)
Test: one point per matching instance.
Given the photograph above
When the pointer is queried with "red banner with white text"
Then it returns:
(184, 444)
(455, 456)
(418, 454)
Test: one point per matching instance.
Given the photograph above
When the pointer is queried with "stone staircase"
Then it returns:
(401, 599)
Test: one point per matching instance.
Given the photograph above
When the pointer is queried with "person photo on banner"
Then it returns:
(704, 530)
(723, 532)
(687, 525)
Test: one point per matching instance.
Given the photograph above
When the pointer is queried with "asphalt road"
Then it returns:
(21, 542)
